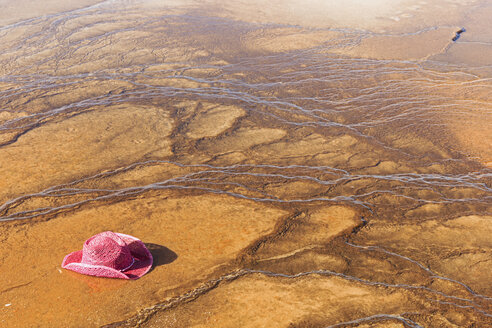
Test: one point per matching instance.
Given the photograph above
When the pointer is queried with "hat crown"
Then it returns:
(107, 249)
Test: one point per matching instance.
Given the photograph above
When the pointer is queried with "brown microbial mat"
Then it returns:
(288, 163)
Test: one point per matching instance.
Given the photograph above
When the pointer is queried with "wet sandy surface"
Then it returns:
(288, 165)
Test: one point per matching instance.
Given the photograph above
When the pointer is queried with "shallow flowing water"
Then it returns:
(280, 174)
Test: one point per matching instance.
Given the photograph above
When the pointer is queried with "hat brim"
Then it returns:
(142, 264)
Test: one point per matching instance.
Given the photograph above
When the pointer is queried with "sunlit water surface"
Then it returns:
(109, 110)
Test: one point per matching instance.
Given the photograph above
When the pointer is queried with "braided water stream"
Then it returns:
(283, 174)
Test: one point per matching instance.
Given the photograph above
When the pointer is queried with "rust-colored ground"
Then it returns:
(288, 163)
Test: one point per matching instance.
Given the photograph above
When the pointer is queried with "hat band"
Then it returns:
(128, 267)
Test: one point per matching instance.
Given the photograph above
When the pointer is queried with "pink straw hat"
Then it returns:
(112, 255)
